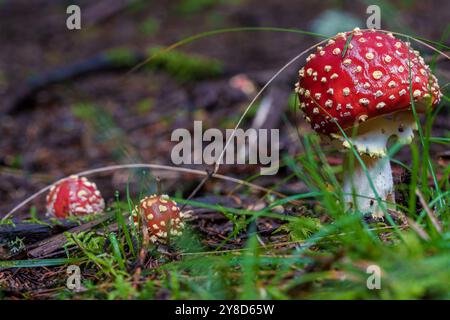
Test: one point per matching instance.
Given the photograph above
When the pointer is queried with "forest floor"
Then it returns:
(69, 104)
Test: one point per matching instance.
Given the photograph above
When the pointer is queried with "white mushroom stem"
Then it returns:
(360, 192)
(371, 142)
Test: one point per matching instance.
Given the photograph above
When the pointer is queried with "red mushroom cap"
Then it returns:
(372, 79)
(74, 196)
(162, 216)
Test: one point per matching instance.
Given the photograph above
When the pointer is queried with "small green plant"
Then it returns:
(17, 245)
(301, 228)
(88, 240)
(183, 66)
(150, 26)
(194, 6)
(145, 106)
(121, 57)
(122, 289)
(34, 217)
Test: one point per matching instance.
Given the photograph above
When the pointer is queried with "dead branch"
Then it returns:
(32, 232)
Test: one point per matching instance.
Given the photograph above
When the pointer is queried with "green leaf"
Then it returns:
(302, 228)
(347, 43)
(34, 263)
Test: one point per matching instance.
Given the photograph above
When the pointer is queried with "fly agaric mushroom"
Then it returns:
(363, 84)
(74, 196)
(161, 215)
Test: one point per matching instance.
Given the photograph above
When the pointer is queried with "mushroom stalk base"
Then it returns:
(370, 141)
(356, 183)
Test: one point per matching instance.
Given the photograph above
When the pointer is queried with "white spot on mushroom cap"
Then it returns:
(82, 193)
(364, 101)
(311, 56)
(363, 117)
(380, 105)
(356, 29)
(301, 72)
(378, 93)
(342, 35)
(377, 74)
(369, 55)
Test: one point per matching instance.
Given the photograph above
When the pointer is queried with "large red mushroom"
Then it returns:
(363, 84)
(74, 196)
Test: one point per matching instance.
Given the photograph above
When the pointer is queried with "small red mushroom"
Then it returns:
(74, 196)
(161, 215)
(364, 86)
